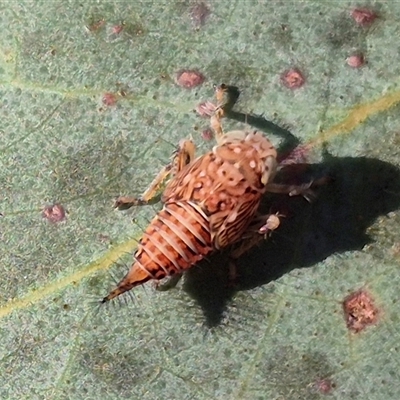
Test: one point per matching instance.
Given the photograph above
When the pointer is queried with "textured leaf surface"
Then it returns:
(281, 334)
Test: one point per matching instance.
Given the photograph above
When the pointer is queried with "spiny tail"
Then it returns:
(177, 238)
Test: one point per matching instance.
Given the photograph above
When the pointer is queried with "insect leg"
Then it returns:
(293, 190)
(251, 240)
(183, 155)
(304, 190)
(221, 94)
(125, 202)
(259, 229)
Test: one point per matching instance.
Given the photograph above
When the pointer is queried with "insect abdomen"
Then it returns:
(177, 238)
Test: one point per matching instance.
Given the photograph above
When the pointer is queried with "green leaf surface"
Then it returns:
(281, 334)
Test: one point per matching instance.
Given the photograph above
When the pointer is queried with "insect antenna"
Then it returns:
(140, 226)
(148, 221)
(173, 145)
(156, 206)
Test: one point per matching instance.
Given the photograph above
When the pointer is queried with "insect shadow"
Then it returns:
(360, 190)
(289, 142)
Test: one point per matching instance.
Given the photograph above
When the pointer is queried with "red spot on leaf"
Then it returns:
(293, 78)
(109, 99)
(356, 60)
(54, 213)
(189, 78)
(324, 386)
(117, 29)
(363, 16)
(359, 311)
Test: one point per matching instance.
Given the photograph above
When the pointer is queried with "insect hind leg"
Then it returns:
(226, 98)
(305, 189)
(260, 229)
(182, 156)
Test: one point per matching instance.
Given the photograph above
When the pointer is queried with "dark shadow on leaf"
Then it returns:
(258, 122)
(360, 190)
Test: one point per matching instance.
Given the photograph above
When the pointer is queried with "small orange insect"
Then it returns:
(208, 204)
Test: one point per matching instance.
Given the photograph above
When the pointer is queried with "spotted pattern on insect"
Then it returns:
(207, 206)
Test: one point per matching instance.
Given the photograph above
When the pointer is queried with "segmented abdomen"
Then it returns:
(177, 238)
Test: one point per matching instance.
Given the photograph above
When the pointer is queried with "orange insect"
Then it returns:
(208, 204)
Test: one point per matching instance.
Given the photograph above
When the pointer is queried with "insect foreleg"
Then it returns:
(181, 157)
(304, 190)
(259, 229)
(292, 190)
(221, 94)
(250, 240)
(125, 202)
